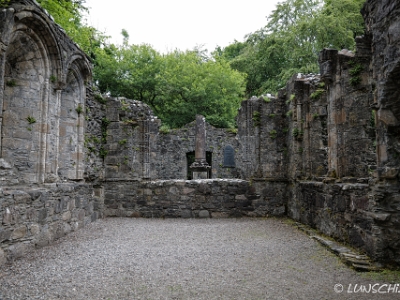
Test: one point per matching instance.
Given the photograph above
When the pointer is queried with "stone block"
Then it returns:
(200, 199)
(5, 234)
(219, 215)
(21, 197)
(19, 233)
(186, 191)
(204, 214)
(9, 216)
(240, 197)
(19, 250)
(3, 258)
(66, 216)
(4, 164)
(229, 204)
(34, 229)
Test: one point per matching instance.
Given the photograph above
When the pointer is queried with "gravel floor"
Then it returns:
(182, 259)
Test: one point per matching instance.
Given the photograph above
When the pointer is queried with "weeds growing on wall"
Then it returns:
(99, 98)
(256, 119)
(316, 94)
(31, 120)
(11, 83)
(355, 72)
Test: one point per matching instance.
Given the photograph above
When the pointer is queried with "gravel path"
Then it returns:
(182, 259)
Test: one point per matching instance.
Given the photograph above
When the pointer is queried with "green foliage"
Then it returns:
(31, 120)
(372, 119)
(297, 133)
(79, 109)
(290, 42)
(102, 152)
(70, 15)
(53, 79)
(104, 124)
(256, 119)
(4, 3)
(317, 94)
(355, 72)
(177, 85)
(122, 142)
(165, 129)
(100, 98)
(233, 130)
(272, 134)
(124, 105)
(131, 122)
(356, 69)
(354, 81)
(272, 115)
(11, 83)
(266, 99)
(291, 98)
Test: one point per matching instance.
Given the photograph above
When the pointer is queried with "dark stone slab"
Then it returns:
(229, 157)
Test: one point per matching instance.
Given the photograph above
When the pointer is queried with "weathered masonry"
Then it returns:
(43, 78)
(325, 151)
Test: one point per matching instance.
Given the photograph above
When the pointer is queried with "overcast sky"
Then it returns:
(182, 24)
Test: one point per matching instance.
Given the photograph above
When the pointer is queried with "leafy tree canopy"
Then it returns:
(177, 85)
(69, 14)
(290, 42)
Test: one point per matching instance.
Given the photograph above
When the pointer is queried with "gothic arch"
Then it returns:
(72, 124)
(31, 61)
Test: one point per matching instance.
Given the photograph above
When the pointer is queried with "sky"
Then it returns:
(179, 24)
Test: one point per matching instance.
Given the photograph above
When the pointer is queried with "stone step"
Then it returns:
(359, 262)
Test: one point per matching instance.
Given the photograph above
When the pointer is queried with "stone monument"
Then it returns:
(200, 166)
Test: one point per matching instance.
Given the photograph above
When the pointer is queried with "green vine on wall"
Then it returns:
(355, 72)
(256, 119)
(273, 134)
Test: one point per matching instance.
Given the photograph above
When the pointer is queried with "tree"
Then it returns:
(290, 42)
(130, 71)
(177, 85)
(190, 86)
(69, 14)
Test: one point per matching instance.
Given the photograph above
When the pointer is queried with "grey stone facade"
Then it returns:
(324, 151)
(44, 79)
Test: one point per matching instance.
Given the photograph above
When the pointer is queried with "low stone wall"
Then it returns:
(362, 215)
(35, 217)
(194, 198)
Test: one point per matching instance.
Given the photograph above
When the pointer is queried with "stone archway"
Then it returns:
(25, 91)
(71, 127)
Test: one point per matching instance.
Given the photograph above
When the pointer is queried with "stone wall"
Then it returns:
(36, 216)
(325, 151)
(47, 182)
(138, 150)
(203, 198)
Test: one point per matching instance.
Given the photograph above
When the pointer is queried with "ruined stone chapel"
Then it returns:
(325, 151)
